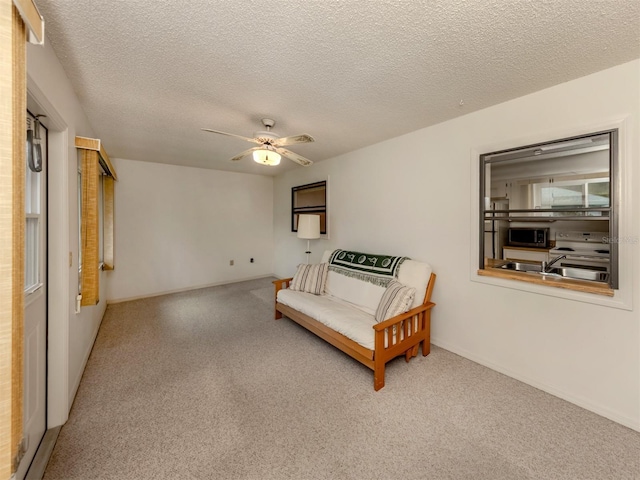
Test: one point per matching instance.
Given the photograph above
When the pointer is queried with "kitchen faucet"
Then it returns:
(546, 266)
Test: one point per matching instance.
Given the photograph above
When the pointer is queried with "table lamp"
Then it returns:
(308, 229)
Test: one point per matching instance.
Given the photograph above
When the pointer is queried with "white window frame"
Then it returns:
(34, 244)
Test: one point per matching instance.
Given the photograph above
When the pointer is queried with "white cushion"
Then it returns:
(338, 315)
(363, 295)
(335, 314)
(415, 274)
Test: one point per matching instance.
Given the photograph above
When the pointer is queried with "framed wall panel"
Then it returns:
(310, 198)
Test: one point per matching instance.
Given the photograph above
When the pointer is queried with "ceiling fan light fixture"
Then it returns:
(266, 157)
(270, 149)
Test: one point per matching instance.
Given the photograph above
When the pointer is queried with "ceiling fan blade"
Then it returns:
(244, 154)
(302, 138)
(305, 162)
(247, 139)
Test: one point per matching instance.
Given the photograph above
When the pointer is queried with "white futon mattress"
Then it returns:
(334, 313)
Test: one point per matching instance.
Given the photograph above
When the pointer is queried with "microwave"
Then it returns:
(529, 237)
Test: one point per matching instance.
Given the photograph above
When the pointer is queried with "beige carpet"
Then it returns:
(206, 385)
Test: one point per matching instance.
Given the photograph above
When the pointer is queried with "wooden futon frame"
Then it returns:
(416, 325)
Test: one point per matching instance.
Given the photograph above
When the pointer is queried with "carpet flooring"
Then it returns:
(206, 385)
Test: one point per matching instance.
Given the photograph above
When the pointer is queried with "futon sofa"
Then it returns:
(372, 307)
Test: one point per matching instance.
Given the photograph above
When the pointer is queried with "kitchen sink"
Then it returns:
(522, 267)
(580, 274)
(566, 272)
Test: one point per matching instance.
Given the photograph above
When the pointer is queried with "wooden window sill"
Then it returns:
(597, 288)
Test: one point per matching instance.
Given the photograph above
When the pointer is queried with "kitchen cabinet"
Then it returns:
(537, 255)
(501, 190)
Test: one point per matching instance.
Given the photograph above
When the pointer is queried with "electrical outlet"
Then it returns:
(251, 260)
(231, 262)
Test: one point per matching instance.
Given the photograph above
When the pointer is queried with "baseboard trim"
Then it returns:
(76, 382)
(187, 289)
(575, 399)
(43, 454)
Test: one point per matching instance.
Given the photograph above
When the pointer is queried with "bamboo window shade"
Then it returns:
(94, 159)
(108, 222)
(32, 20)
(89, 233)
(12, 225)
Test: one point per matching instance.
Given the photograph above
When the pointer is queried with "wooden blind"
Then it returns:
(89, 233)
(109, 207)
(13, 110)
(32, 18)
(19, 222)
(94, 159)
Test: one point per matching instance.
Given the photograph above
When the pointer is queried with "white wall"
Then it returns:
(70, 335)
(588, 354)
(178, 227)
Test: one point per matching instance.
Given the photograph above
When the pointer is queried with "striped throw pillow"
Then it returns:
(396, 299)
(310, 278)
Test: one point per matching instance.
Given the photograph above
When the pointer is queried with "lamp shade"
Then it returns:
(266, 157)
(308, 226)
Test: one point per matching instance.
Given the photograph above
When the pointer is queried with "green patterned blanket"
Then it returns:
(376, 269)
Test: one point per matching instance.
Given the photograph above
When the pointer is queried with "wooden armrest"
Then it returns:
(403, 316)
(280, 284)
(281, 281)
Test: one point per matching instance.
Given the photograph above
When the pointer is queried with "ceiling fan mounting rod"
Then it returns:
(268, 122)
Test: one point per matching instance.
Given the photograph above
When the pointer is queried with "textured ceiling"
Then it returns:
(151, 73)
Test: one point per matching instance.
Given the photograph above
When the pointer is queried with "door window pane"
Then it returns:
(32, 264)
(33, 197)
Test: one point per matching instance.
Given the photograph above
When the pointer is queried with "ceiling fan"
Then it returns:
(270, 145)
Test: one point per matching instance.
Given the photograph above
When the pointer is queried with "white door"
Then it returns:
(35, 318)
